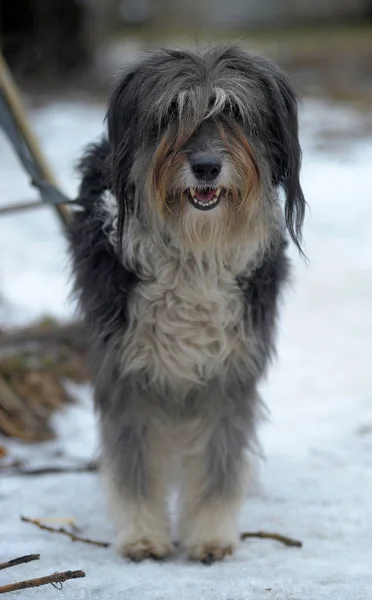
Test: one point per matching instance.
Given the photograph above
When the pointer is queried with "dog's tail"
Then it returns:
(94, 172)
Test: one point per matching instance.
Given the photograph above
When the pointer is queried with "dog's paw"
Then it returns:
(210, 552)
(143, 548)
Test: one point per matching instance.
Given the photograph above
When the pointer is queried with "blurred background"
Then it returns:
(64, 56)
(326, 44)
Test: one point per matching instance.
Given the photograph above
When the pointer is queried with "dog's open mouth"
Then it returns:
(204, 199)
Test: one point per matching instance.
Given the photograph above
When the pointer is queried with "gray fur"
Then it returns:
(181, 335)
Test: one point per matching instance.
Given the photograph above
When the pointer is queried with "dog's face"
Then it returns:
(200, 144)
(205, 183)
(206, 171)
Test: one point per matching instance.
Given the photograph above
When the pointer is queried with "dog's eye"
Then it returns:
(234, 111)
(212, 103)
(161, 121)
(173, 109)
(169, 116)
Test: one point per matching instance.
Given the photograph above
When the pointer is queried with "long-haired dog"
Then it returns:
(179, 259)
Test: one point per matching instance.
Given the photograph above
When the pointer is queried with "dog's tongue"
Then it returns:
(205, 196)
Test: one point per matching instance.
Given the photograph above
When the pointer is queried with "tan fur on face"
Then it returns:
(166, 161)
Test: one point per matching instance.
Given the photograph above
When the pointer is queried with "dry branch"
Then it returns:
(72, 335)
(17, 419)
(55, 578)
(21, 206)
(264, 535)
(19, 561)
(19, 469)
(11, 465)
(287, 541)
(35, 363)
(63, 531)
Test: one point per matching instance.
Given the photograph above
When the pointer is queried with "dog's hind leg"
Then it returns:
(134, 468)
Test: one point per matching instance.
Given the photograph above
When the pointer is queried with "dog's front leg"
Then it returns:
(134, 469)
(213, 482)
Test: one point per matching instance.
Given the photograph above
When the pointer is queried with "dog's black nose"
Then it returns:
(206, 166)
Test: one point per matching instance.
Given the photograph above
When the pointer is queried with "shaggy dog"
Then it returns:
(179, 258)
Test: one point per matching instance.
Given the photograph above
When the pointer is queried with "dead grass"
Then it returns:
(35, 364)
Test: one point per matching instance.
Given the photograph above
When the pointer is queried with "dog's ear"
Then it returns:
(123, 128)
(122, 124)
(284, 147)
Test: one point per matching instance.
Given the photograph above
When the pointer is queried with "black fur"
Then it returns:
(261, 295)
(102, 283)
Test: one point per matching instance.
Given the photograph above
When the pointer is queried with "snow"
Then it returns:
(315, 479)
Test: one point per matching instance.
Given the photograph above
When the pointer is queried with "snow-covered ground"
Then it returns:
(316, 478)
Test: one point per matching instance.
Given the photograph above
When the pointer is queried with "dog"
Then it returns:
(179, 259)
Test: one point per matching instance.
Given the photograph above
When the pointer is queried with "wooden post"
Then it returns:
(12, 96)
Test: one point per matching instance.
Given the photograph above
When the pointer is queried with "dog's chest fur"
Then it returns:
(186, 320)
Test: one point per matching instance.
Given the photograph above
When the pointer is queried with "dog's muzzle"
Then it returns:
(206, 168)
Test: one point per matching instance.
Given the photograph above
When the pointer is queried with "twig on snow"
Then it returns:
(287, 541)
(19, 469)
(55, 578)
(19, 561)
(71, 521)
(12, 465)
(265, 535)
(63, 531)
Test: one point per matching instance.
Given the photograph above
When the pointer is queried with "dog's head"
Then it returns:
(200, 145)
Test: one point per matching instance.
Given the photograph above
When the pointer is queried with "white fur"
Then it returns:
(143, 528)
(219, 98)
(206, 525)
(186, 316)
(210, 529)
(142, 525)
(184, 325)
